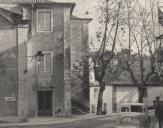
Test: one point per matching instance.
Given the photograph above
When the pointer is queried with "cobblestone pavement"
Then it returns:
(154, 123)
(106, 122)
(97, 122)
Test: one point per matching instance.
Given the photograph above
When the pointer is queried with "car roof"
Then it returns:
(129, 104)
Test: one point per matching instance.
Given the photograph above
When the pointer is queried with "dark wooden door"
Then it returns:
(44, 103)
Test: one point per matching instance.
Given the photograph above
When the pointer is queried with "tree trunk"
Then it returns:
(140, 93)
(100, 98)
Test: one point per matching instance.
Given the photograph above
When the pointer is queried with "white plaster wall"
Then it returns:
(93, 100)
(126, 94)
(107, 98)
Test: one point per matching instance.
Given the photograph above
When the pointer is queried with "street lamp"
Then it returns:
(39, 56)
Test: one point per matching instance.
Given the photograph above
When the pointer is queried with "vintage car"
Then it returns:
(132, 115)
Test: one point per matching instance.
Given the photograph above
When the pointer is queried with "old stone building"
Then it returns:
(29, 30)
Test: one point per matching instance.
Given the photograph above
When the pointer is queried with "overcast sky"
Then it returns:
(81, 9)
(84, 6)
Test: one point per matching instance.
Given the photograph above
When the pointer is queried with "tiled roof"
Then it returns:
(24, 1)
(36, 1)
(11, 3)
(117, 76)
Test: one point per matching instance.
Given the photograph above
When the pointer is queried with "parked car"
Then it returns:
(132, 115)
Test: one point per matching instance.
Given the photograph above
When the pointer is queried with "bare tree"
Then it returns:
(142, 31)
(111, 20)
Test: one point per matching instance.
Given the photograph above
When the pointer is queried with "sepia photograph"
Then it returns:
(81, 63)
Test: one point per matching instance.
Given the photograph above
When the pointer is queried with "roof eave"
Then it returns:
(87, 20)
(72, 4)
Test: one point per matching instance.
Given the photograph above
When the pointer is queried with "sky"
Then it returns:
(81, 9)
(84, 6)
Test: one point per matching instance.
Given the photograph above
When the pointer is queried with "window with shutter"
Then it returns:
(44, 21)
(46, 66)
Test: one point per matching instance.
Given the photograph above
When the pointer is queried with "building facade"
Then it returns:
(121, 89)
(118, 94)
(30, 87)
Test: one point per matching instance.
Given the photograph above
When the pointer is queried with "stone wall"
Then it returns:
(67, 62)
(18, 67)
(8, 68)
(76, 57)
(57, 42)
(79, 51)
(22, 34)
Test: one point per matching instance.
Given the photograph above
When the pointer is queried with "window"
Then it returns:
(145, 92)
(46, 66)
(95, 92)
(135, 108)
(125, 109)
(44, 21)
